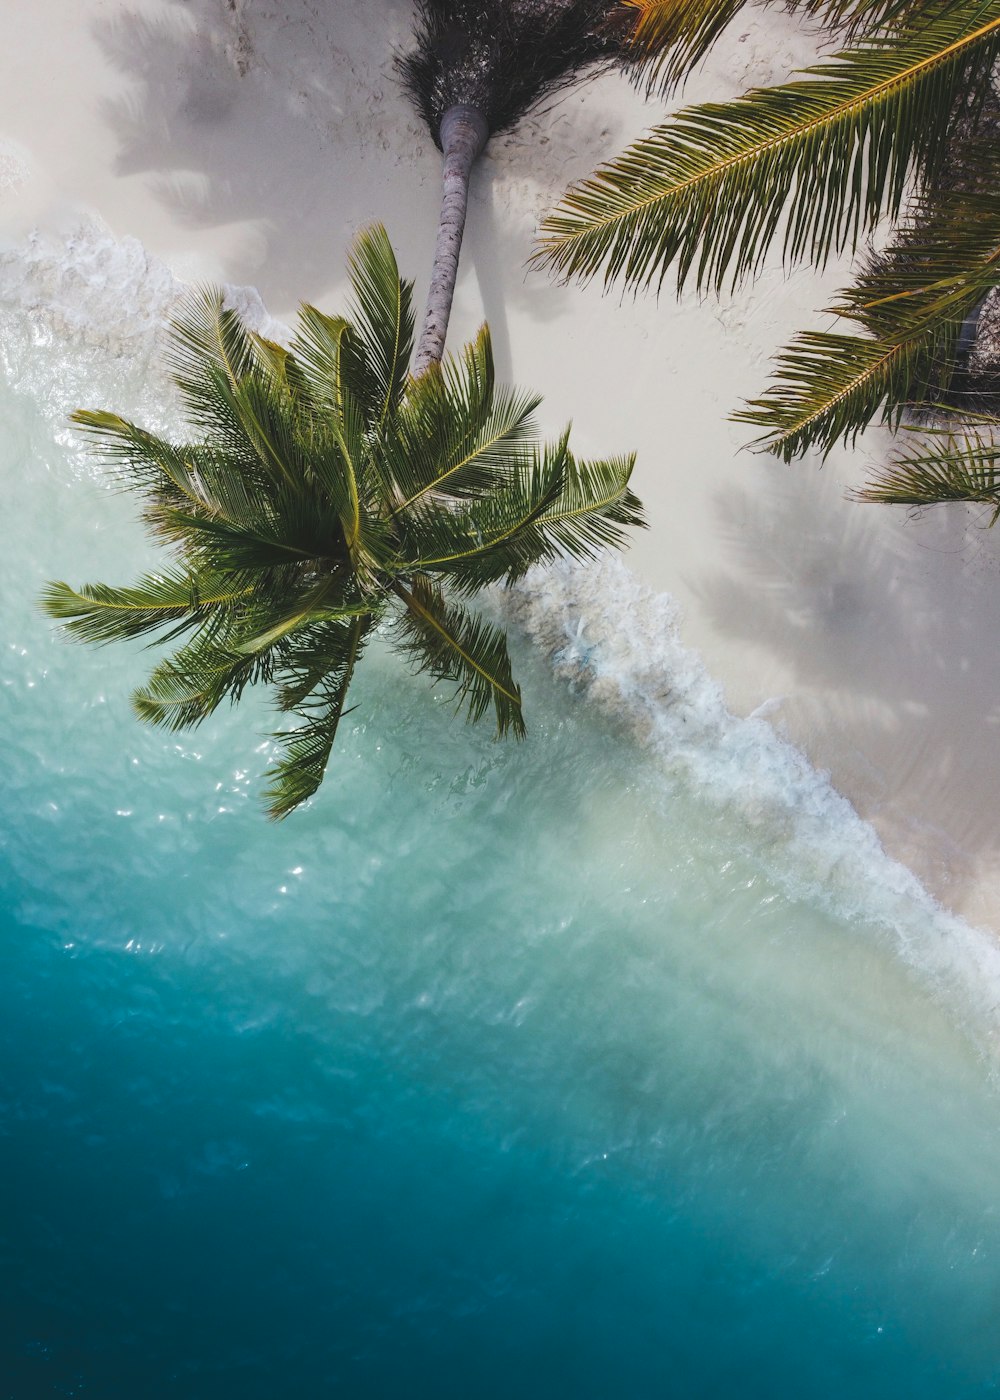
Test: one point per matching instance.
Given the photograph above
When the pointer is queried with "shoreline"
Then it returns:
(249, 149)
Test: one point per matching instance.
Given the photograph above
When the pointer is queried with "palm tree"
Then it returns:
(476, 68)
(901, 122)
(326, 491)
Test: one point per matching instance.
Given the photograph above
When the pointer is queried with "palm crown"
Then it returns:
(325, 491)
(901, 122)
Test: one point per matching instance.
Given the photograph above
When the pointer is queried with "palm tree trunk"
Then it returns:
(464, 133)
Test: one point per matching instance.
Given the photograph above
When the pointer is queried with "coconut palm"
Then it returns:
(476, 68)
(901, 122)
(323, 492)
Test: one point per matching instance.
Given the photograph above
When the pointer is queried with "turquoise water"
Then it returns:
(584, 1068)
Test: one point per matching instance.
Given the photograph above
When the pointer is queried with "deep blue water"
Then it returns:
(499, 1071)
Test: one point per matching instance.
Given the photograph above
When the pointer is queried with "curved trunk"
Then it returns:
(464, 133)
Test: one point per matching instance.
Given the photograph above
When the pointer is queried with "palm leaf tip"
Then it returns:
(452, 644)
(594, 507)
(382, 316)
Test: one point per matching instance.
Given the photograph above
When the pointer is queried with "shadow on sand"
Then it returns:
(291, 129)
(886, 625)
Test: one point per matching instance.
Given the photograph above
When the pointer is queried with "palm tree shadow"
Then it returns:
(281, 124)
(879, 619)
(291, 131)
(524, 172)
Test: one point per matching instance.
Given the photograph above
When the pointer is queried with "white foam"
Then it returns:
(628, 658)
(82, 316)
(83, 312)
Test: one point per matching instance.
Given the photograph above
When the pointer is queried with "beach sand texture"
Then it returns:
(248, 140)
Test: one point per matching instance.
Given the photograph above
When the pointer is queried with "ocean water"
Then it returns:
(621, 1063)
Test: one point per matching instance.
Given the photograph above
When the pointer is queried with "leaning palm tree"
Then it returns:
(476, 68)
(325, 492)
(901, 122)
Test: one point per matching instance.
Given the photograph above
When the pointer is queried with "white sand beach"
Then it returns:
(248, 140)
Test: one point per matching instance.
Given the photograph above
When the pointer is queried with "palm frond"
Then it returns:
(964, 467)
(268, 545)
(494, 536)
(671, 37)
(912, 303)
(279, 367)
(318, 345)
(141, 460)
(858, 16)
(593, 508)
(186, 688)
(454, 645)
(322, 605)
(99, 613)
(554, 505)
(821, 159)
(207, 336)
(377, 354)
(457, 433)
(350, 473)
(334, 649)
(318, 651)
(828, 387)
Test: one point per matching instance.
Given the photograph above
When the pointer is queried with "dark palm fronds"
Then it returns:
(817, 161)
(962, 465)
(671, 37)
(502, 57)
(917, 307)
(914, 307)
(857, 16)
(903, 121)
(323, 491)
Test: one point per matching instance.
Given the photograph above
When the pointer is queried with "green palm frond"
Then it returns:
(454, 645)
(911, 303)
(243, 549)
(349, 473)
(321, 606)
(828, 387)
(671, 37)
(99, 613)
(141, 460)
(279, 367)
(186, 688)
(817, 161)
(377, 354)
(593, 508)
(458, 433)
(496, 536)
(554, 506)
(317, 346)
(965, 466)
(208, 338)
(858, 16)
(335, 650)
(260, 412)
(317, 651)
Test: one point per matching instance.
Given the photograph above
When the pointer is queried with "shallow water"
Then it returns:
(591, 1067)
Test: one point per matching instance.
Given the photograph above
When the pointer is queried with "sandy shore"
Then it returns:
(247, 141)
